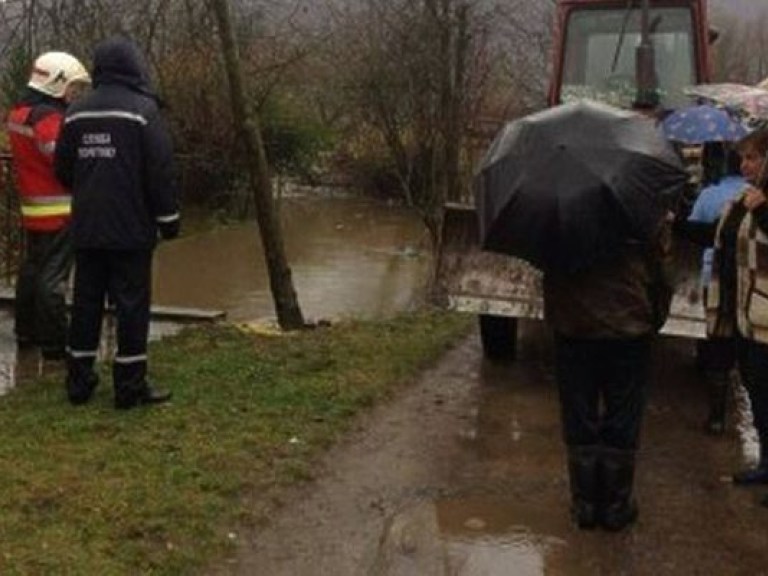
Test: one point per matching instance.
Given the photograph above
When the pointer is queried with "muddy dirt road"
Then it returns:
(464, 475)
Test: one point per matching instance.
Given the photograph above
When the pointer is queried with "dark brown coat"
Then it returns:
(626, 298)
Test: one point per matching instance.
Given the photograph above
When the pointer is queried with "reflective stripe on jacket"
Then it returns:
(32, 132)
(116, 155)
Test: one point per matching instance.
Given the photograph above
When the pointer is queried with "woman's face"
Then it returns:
(751, 163)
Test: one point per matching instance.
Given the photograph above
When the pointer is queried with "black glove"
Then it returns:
(169, 230)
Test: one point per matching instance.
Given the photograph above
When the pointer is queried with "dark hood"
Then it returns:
(119, 61)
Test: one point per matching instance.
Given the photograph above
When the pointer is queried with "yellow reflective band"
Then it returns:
(46, 210)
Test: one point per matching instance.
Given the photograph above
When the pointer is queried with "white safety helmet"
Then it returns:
(53, 72)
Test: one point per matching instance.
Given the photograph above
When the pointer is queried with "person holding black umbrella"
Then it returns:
(604, 319)
(583, 191)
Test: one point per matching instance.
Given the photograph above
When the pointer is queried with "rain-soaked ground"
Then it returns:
(464, 475)
(349, 257)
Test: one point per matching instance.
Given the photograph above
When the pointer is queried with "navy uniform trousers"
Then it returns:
(124, 277)
(603, 387)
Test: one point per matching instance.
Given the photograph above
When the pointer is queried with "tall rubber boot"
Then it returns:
(584, 477)
(81, 380)
(719, 386)
(131, 386)
(618, 475)
(758, 474)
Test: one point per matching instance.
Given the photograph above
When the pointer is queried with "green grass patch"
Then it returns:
(90, 490)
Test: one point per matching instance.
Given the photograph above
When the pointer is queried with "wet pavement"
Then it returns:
(464, 475)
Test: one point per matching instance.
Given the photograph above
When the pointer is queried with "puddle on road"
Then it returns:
(480, 536)
(488, 537)
(507, 509)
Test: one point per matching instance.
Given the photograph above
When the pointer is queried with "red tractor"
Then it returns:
(621, 52)
(617, 51)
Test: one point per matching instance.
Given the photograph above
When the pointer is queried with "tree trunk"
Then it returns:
(455, 135)
(247, 127)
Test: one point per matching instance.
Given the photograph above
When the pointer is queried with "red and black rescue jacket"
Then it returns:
(33, 128)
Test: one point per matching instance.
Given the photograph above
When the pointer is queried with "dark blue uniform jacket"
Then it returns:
(115, 154)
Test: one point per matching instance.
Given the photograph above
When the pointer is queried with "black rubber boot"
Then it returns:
(584, 477)
(719, 386)
(144, 397)
(81, 380)
(618, 474)
(132, 388)
(758, 474)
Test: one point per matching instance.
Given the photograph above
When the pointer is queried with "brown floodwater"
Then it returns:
(349, 257)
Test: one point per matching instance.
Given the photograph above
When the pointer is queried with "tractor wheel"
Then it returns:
(498, 335)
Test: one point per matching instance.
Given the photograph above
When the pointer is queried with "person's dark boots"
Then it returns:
(618, 474)
(719, 386)
(132, 388)
(756, 475)
(584, 477)
(81, 381)
(127, 399)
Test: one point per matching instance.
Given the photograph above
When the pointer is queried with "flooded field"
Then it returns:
(349, 257)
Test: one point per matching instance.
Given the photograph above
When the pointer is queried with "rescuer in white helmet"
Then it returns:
(59, 75)
(33, 125)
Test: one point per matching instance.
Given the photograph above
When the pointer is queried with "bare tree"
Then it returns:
(741, 50)
(406, 67)
(423, 76)
(246, 120)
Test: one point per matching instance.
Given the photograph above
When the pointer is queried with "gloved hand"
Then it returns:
(169, 230)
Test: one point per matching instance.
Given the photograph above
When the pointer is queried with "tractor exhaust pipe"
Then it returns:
(647, 95)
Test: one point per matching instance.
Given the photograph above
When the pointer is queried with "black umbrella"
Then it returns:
(567, 186)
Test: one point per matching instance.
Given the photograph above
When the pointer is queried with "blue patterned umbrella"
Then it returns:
(703, 123)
